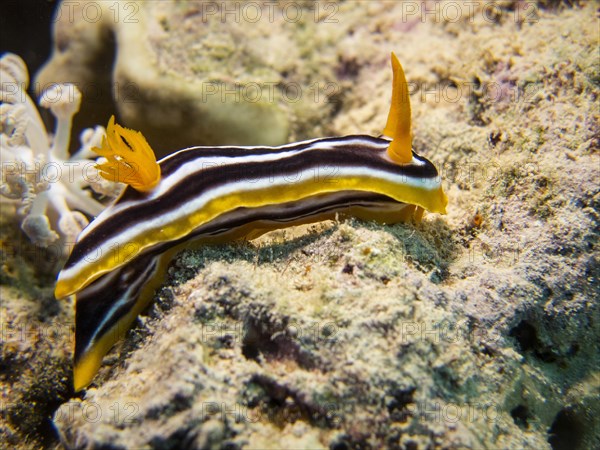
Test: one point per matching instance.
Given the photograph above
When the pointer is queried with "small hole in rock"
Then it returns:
(526, 336)
(520, 415)
(566, 431)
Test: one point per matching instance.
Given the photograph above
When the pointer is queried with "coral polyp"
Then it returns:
(51, 189)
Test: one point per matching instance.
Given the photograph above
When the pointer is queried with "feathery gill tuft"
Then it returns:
(130, 158)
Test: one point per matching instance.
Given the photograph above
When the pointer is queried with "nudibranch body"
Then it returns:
(206, 195)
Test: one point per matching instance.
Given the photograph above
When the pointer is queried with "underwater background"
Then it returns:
(476, 329)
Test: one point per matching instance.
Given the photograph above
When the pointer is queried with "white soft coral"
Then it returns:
(48, 186)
